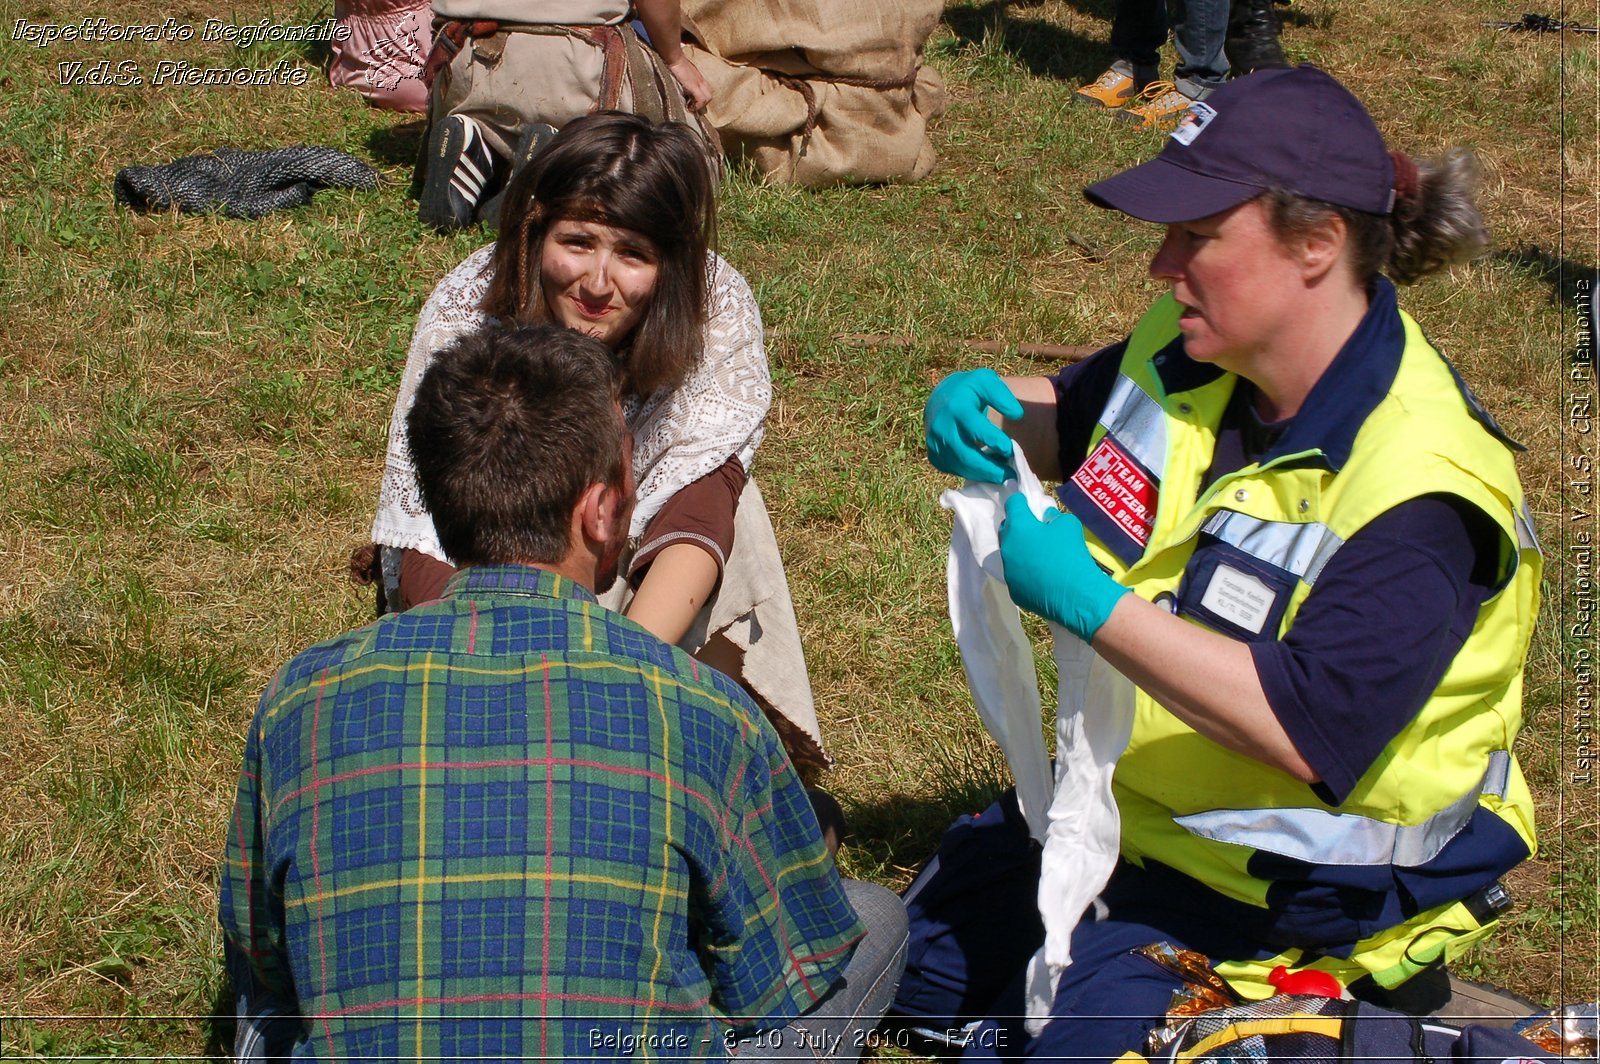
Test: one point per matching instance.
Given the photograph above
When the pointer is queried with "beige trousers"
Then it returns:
(516, 79)
(511, 81)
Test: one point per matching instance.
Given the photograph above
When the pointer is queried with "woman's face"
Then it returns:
(1239, 287)
(598, 279)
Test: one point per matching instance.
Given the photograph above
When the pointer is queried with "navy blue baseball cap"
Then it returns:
(1293, 128)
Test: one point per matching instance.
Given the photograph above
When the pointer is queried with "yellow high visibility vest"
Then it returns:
(1269, 529)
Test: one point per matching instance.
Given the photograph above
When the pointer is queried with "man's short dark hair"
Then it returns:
(510, 425)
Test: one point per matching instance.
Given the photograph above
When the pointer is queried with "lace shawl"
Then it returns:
(680, 435)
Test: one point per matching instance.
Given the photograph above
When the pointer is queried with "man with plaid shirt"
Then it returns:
(511, 824)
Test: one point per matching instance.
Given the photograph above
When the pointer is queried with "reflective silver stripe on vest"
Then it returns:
(1527, 538)
(1498, 777)
(1317, 836)
(1138, 423)
(1301, 549)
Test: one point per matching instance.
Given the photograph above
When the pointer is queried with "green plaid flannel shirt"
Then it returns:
(514, 825)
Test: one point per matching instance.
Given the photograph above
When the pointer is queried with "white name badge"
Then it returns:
(1239, 597)
(1193, 122)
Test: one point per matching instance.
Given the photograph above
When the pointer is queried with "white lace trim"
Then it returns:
(679, 435)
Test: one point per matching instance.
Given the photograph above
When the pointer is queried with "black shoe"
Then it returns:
(460, 170)
(1252, 42)
(534, 138)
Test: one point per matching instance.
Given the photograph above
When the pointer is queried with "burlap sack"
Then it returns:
(821, 92)
(857, 38)
(817, 133)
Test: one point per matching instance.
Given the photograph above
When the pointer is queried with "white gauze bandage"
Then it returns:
(1075, 816)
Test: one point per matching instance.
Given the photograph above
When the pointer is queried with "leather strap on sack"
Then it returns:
(802, 85)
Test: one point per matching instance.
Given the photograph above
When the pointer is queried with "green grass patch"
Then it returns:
(193, 413)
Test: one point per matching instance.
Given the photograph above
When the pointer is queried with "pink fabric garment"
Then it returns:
(384, 55)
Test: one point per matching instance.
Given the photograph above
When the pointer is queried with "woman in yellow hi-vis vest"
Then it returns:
(1302, 544)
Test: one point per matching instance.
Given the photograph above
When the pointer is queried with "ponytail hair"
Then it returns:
(1434, 223)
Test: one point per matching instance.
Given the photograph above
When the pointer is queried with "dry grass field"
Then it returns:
(193, 408)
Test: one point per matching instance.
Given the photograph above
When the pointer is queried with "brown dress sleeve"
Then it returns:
(422, 577)
(701, 513)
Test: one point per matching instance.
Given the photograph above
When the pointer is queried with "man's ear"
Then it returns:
(598, 509)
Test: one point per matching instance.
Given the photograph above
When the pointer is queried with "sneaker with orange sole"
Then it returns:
(1159, 106)
(1119, 84)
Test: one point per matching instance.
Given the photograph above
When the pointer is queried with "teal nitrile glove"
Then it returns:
(1049, 570)
(961, 438)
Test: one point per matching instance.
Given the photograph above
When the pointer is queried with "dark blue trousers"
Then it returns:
(974, 924)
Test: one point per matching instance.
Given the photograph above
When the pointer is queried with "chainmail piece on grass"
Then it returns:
(242, 184)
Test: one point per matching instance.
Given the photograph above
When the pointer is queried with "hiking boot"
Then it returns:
(1119, 84)
(1159, 106)
(459, 171)
(1252, 41)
